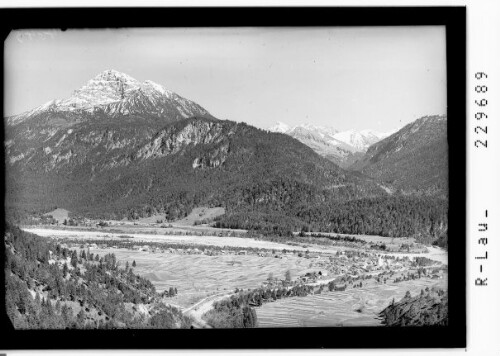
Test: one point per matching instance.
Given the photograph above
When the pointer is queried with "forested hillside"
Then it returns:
(188, 163)
(428, 308)
(413, 160)
(52, 287)
(424, 218)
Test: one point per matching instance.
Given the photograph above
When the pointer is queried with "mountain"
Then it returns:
(342, 148)
(112, 94)
(360, 140)
(413, 160)
(120, 148)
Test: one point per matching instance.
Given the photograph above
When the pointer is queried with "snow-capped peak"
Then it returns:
(105, 88)
(114, 75)
(279, 127)
(322, 130)
(361, 140)
(117, 93)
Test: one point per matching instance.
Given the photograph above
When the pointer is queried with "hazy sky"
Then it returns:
(348, 78)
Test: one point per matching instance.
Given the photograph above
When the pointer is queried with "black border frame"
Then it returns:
(452, 336)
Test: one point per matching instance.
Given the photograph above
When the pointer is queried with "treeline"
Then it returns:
(174, 245)
(267, 224)
(237, 311)
(52, 287)
(231, 314)
(424, 218)
(335, 238)
(430, 307)
(420, 217)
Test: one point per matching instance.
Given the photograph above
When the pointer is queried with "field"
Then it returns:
(338, 308)
(197, 214)
(59, 214)
(198, 276)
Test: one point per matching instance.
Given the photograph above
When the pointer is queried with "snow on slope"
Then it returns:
(115, 93)
(351, 140)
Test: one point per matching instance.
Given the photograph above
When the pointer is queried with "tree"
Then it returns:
(134, 264)
(249, 317)
(80, 318)
(74, 259)
(288, 276)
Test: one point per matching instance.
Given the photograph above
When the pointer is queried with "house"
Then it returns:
(313, 255)
(339, 287)
(242, 252)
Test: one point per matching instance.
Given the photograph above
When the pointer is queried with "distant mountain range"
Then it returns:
(342, 148)
(121, 148)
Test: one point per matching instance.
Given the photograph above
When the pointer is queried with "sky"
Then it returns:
(378, 78)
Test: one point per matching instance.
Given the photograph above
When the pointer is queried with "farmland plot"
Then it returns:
(339, 308)
(197, 276)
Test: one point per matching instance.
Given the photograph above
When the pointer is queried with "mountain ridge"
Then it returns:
(342, 148)
(413, 160)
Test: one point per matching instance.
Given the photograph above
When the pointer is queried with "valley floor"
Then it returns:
(203, 278)
(434, 253)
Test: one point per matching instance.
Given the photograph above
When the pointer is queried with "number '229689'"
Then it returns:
(481, 102)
